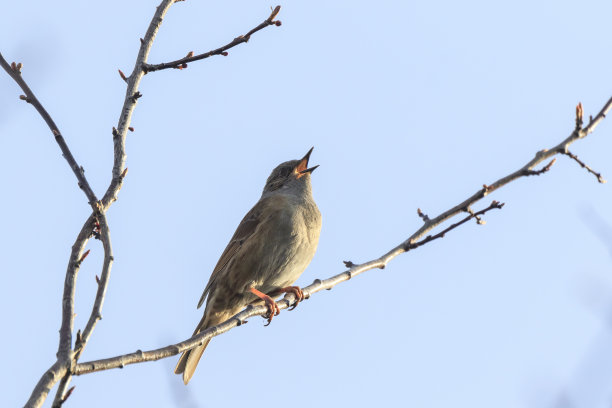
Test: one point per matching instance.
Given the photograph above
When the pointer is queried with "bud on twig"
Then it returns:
(68, 393)
(122, 75)
(84, 256)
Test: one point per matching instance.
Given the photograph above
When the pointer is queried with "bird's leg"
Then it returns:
(297, 291)
(273, 309)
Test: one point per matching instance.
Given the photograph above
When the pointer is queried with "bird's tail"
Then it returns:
(190, 358)
(189, 361)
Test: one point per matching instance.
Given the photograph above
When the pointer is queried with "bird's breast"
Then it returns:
(289, 245)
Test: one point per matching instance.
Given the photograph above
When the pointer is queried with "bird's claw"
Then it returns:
(273, 310)
(297, 291)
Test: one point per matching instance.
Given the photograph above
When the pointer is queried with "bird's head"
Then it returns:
(291, 174)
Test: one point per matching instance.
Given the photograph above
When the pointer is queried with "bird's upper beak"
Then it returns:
(302, 167)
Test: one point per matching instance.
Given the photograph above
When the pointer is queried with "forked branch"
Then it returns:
(182, 63)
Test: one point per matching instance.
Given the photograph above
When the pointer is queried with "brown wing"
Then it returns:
(245, 229)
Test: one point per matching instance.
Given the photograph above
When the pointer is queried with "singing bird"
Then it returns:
(273, 244)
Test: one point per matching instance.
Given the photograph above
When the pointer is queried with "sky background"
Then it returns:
(408, 105)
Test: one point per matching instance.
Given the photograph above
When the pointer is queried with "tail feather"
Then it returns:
(190, 358)
(189, 361)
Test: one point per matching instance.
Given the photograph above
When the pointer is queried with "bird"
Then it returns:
(272, 246)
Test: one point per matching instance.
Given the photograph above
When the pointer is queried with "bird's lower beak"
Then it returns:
(302, 167)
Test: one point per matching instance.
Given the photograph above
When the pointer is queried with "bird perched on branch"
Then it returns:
(270, 249)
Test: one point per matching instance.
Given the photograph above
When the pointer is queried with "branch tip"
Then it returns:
(423, 216)
(274, 13)
(579, 113)
(16, 67)
(582, 164)
(541, 171)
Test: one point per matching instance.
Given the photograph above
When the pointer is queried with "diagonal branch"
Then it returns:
(250, 311)
(182, 63)
(414, 241)
(14, 71)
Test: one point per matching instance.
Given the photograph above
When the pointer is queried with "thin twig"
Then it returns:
(14, 71)
(585, 166)
(182, 63)
(494, 205)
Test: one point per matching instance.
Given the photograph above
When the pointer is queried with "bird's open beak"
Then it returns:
(302, 167)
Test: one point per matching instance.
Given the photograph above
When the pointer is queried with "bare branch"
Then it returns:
(182, 63)
(585, 166)
(46, 382)
(354, 269)
(95, 225)
(14, 71)
(65, 354)
(96, 312)
(131, 96)
(529, 172)
(494, 205)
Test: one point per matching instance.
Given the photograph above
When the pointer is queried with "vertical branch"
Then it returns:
(131, 96)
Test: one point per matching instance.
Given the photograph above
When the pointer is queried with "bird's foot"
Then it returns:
(297, 291)
(273, 309)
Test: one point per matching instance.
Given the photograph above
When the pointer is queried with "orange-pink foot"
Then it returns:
(297, 291)
(273, 309)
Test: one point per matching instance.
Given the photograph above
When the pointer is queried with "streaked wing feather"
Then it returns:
(245, 229)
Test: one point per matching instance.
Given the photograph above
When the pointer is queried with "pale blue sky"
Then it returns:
(408, 105)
